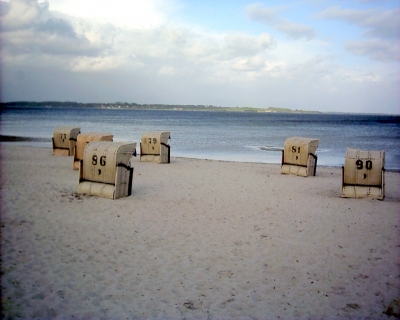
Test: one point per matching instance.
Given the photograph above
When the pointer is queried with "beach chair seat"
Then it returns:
(363, 174)
(83, 139)
(154, 147)
(299, 156)
(105, 170)
(64, 140)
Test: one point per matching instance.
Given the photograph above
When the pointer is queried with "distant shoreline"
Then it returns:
(170, 107)
(135, 106)
(5, 138)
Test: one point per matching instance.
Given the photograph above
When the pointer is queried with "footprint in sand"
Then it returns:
(225, 273)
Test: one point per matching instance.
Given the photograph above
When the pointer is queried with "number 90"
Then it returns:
(360, 164)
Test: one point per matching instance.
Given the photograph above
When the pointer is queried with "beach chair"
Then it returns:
(154, 147)
(105, 170)
(81, 142)
(299, 156)
(363, 174)
(64, 140)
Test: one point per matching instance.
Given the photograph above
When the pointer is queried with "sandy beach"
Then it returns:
(197, 239)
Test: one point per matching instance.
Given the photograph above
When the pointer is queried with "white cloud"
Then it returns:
(366, 77)
(376, 49)
(20, 14)
(378, 23)
(244, 45)
(252, 64)
(381, 31)
(166, 70)
(269, 16)
(28, 28)
(99, 63)
(295, 30)
(132, 13)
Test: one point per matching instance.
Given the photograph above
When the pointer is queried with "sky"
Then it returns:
(320, 55)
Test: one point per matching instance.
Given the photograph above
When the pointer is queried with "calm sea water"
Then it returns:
(220, 135)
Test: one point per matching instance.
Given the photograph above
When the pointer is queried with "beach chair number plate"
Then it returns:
(102, 162)
(154, 141)
(63, 136)
(360, 164)
(296, 149)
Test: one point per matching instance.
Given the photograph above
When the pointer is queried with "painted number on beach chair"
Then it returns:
(152, 140)
(63, 136)
(360, 164)
(296, 150)
(102, 160)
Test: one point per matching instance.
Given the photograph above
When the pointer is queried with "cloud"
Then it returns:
(246, 45)
(166, 70)
(376, 49)
(122, 13)
(34, 33)
(269, 16)
(30, 30)
(381, 28)
(56, 26)
(97, 63)
(21, 14)
(379, 23)
(371, 1)
(252, 64)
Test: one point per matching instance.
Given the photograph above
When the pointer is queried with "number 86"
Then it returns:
(102, 160)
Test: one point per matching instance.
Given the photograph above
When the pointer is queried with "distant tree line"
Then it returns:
(136, 106)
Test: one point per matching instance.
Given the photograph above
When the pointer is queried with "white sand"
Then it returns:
(197, 239)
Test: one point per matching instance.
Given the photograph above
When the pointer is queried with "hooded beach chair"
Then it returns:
(154, 147)
(105, 170)
(363, 174)
(83, 139)
(64, 140)
(299, 156)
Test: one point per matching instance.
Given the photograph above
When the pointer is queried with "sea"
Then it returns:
(227, 136)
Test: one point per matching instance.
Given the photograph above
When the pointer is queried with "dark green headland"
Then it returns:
(136, 106)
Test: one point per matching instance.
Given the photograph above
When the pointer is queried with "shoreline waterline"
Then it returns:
(35, 142)
(243, 137)
(7, 138)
